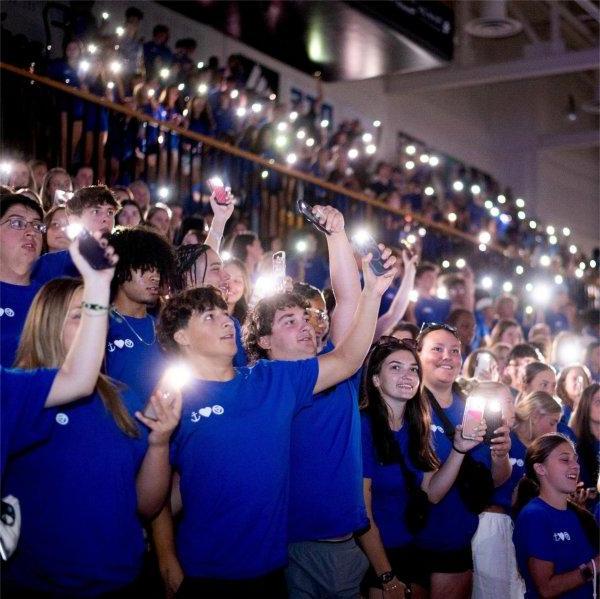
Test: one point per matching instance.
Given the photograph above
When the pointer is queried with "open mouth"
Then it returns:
(29, 247)
(404, 386)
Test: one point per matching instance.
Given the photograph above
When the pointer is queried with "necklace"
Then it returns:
(123, 319)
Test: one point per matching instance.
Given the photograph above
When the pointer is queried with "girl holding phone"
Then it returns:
(556, 541)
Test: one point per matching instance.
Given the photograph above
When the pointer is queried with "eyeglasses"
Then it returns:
(20, 224)
(320, 315)
(428, 327)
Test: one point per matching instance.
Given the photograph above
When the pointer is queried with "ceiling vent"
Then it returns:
(493, 22)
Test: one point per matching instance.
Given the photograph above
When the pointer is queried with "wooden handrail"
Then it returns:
(235, 151)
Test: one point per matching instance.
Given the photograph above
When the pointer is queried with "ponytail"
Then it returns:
(527, 489)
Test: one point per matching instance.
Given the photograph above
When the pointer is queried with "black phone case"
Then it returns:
(92, 251)
(493, 421)
(376, 264)
(306, 210)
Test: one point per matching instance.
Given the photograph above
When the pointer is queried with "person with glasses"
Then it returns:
(398, 460)
(445, 541)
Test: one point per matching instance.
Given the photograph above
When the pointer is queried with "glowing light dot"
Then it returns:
(446, 264)
(558, 279)
(553, 239)
(529, 287)
(488, 204)
(532, 224)
(202, 89)
(181, 87)
(482, 247)
(410, 150)
(501, 199)
(521, 215)
(461, 263)
(164, 73)
(507, 286)
(519, 269)
(371, 149)
(301, 134)
(528, 309)
(550, 230)
(120, 31)
(520, 203)
(487, 282)
(409, 165)
(256, 107)
(573, 249)
(310, 142)
(495, 211)
(324, 123)
(264, 174)
(376, 124)
(545, 260)
(566, 231)
(452, 217)
(200, 65)
(352, 153)
(422, 232)
(579, 273)
(485, 237)
(458, 185)
(163, 193)
(293, 115)
(429, 191)
(291, 158)
(424, 158)
(434, 161)
(475, 189)
(233, 94)
(367, 138)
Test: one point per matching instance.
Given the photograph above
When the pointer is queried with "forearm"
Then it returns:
(215, 234)
(442, 480)
(398, 306)
(163, 534)
(372, 545)
(78, 375)
(345, 283)
(153, 480)
(557, 584)
(501, 470)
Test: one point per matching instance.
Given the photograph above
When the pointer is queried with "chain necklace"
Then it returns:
(123, 319)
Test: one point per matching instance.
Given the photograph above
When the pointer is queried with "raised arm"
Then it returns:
(345, 281)
(78, 375)
(222, 213)
(349, 355)
(401, 300)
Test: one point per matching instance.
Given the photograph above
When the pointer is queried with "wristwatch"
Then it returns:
(386, 577)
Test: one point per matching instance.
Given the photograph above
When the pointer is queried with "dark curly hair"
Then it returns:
(178, 310)
(260, 321)
(94, 195)
(141, 249)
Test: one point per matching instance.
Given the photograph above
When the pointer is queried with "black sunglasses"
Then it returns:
(428, 327)
(385, 340)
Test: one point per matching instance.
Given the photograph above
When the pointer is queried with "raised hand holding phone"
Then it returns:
(218, 190)
(379, 279)
(365, 245)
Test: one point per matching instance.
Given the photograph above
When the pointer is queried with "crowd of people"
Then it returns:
(322, 430)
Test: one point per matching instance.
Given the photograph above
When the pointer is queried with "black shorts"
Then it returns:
(428, 562)
(402, 561)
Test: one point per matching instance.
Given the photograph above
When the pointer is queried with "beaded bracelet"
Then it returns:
(94, 307)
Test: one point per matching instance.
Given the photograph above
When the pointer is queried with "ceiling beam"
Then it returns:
(575, 140)
(590, 8)
(453, 77)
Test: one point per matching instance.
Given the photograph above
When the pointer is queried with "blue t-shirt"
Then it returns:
(240, 358)
(80, 533)
(389, 492)
(23, 419)
(431, 309)
(326, 489)
(53, 265)
(450, 525)
(138, 364)
(232, 451)
(504, 493)
(15, 301)
(551, 535)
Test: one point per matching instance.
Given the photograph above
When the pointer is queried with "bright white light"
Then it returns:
(234, 93)
(225, 256)
(73, 230)
(413, 296)
(241, 111)
(256, 107)
(475, 189)
(164, 73)
(424, 158)
(110, 85)
(573, 249)
(161, 139)
(521, 215)
(310, 142)
(272, 97)
(265, 285)
(532, 224)
(452, 217)
(579, 273)
(507, 286)
(545, 260)
(442, 292)
(501, 199)
(202, 89)
(558, 279)
(529, 287)
(592, 264)
(446, 264)
(367, 138)
(84, 66)
(458, 185)
(411, 239)
(352, 153)
(293, 115)
(528, 309)
(301, 246)
(281, 141)
(434, 161)
(582, 265)
(181, 87)
(482, 247)
(488, 204)
(301, 134)
(409, 165)
(151, 92)
(371, 149)
(422, 231)
(461, 263)
(177, 376)
(520, 203)
(120, 31)
(505, 218)
(541, 293)
(291, 158)
(429, 191)
(282, 126)
(324, 123)
(200, 65)
(115, 67)
(105, 16)
(485, 237)
(361, 236)
(495, 211)
(92, 48)
(487, 282)
(519, 269)
(566, 231)
(163, 193)
(376, 124)
(264, 174)
(553, 239)
(410, 150)
(550, 230)
(185, 112)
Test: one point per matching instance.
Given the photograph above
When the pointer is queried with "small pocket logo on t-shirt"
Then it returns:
(206, 412)
(436, 428)
(520, 463)
(7, 312)
(562, 536)
(62, 418)
(119, 343)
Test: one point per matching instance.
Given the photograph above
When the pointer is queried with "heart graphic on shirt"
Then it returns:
(119, 343)
(512, 461)
(561, 536)
(206, 412)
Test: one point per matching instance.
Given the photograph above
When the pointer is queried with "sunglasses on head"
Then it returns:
(428, 327)
(390, 340)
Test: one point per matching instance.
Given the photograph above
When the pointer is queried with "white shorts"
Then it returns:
(495, 574)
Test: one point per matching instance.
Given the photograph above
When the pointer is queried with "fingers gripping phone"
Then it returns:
(307, 210)
(472, 416)
(483, 364)
(218, 189)
(92, 251)
(365, 244)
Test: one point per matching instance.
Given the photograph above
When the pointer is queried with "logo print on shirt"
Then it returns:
(121, 343)
(520, 463)
(62, 418)
(562, 536)
(8, 311)
(206, 412)
(435, 428)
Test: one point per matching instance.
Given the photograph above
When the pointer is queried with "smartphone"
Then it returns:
(484, 361)
(217, 188)
(61, 197)
(309, 215)
(493, 419)
(92, 251)
(472, 416)
(279, 271)
(365, 244)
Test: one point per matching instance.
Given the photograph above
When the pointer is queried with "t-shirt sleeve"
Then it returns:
(533, 536)
(53, 265)
(303, 376)
(134, 403)
(24, 419)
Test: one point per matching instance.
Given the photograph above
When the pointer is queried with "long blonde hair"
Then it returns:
(537, 402)
(41, 344)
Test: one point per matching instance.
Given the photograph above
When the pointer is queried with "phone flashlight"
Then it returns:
(365, 244)
(174, 379)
